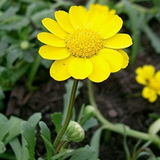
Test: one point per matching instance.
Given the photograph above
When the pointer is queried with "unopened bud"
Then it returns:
(75, 132)
(24, 45)
(89, 110)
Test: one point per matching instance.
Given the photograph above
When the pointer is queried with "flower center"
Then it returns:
(84, 43)
(154, 84)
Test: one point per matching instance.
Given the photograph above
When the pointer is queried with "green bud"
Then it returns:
(75, 132)
(24, 45)
(89, 110)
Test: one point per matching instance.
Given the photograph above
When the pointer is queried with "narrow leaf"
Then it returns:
(95, 142)
(155, 40)
(46, 135)
(57, 120)
(34, 119)
(28, 132)
(154, 127)
(17, 148)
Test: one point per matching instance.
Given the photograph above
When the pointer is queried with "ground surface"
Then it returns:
(118, 98)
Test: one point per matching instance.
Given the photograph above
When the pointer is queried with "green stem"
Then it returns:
(61, 144)
(93, 103)
(119, 128)
(69, 114)
(33, 71)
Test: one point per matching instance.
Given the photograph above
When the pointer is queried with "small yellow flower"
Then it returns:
(147, 76)
(84, 44)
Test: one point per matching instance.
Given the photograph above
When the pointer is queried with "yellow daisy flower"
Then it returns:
(102, 8)
(147, 76)
(84, 44)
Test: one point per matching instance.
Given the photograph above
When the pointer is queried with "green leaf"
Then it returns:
(10, 129)
(3, 119)
(17, 148)
(8, 13)
(57, 120)
(34, 119)
(84, 153)
(2, 95)
(28, 136)
(155, 40)
(37, 18)
(28, 132)
(15, 23)
(2, 2)
(136, 21)
(25, 153)
(65, 153)
(95, 142)
(46, 135)
(2, 147)
(154, 127)
(143, 153)
(41, 159)
(3, 47)
(92, 122)
(13, 55)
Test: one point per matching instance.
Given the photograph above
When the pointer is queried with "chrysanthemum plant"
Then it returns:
(86, 44)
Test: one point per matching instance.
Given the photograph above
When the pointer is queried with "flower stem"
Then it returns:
(119, 128)
(69, 115)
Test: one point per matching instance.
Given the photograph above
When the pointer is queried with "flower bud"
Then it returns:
(24, 45)
(89, 110)
(75, 132)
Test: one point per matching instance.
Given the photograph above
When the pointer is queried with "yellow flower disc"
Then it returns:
(84, 43)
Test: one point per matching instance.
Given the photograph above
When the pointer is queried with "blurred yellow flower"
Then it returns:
(84, 44)
(147, 76)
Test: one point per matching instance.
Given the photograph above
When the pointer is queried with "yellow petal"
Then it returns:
(63, 19)
(50, 39)
(110, 27)
(54, 28)
(146, 72)
(76, 15)
(141, 80)
(53, 53)
(148, 92)
(80, 68)
(118, 41)
(94, 19)
(112, 11)
(157, 76)
(101, 69)
(59, 69)
(99, 7)
(114, 58)
(153, 98)
(125, 58)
